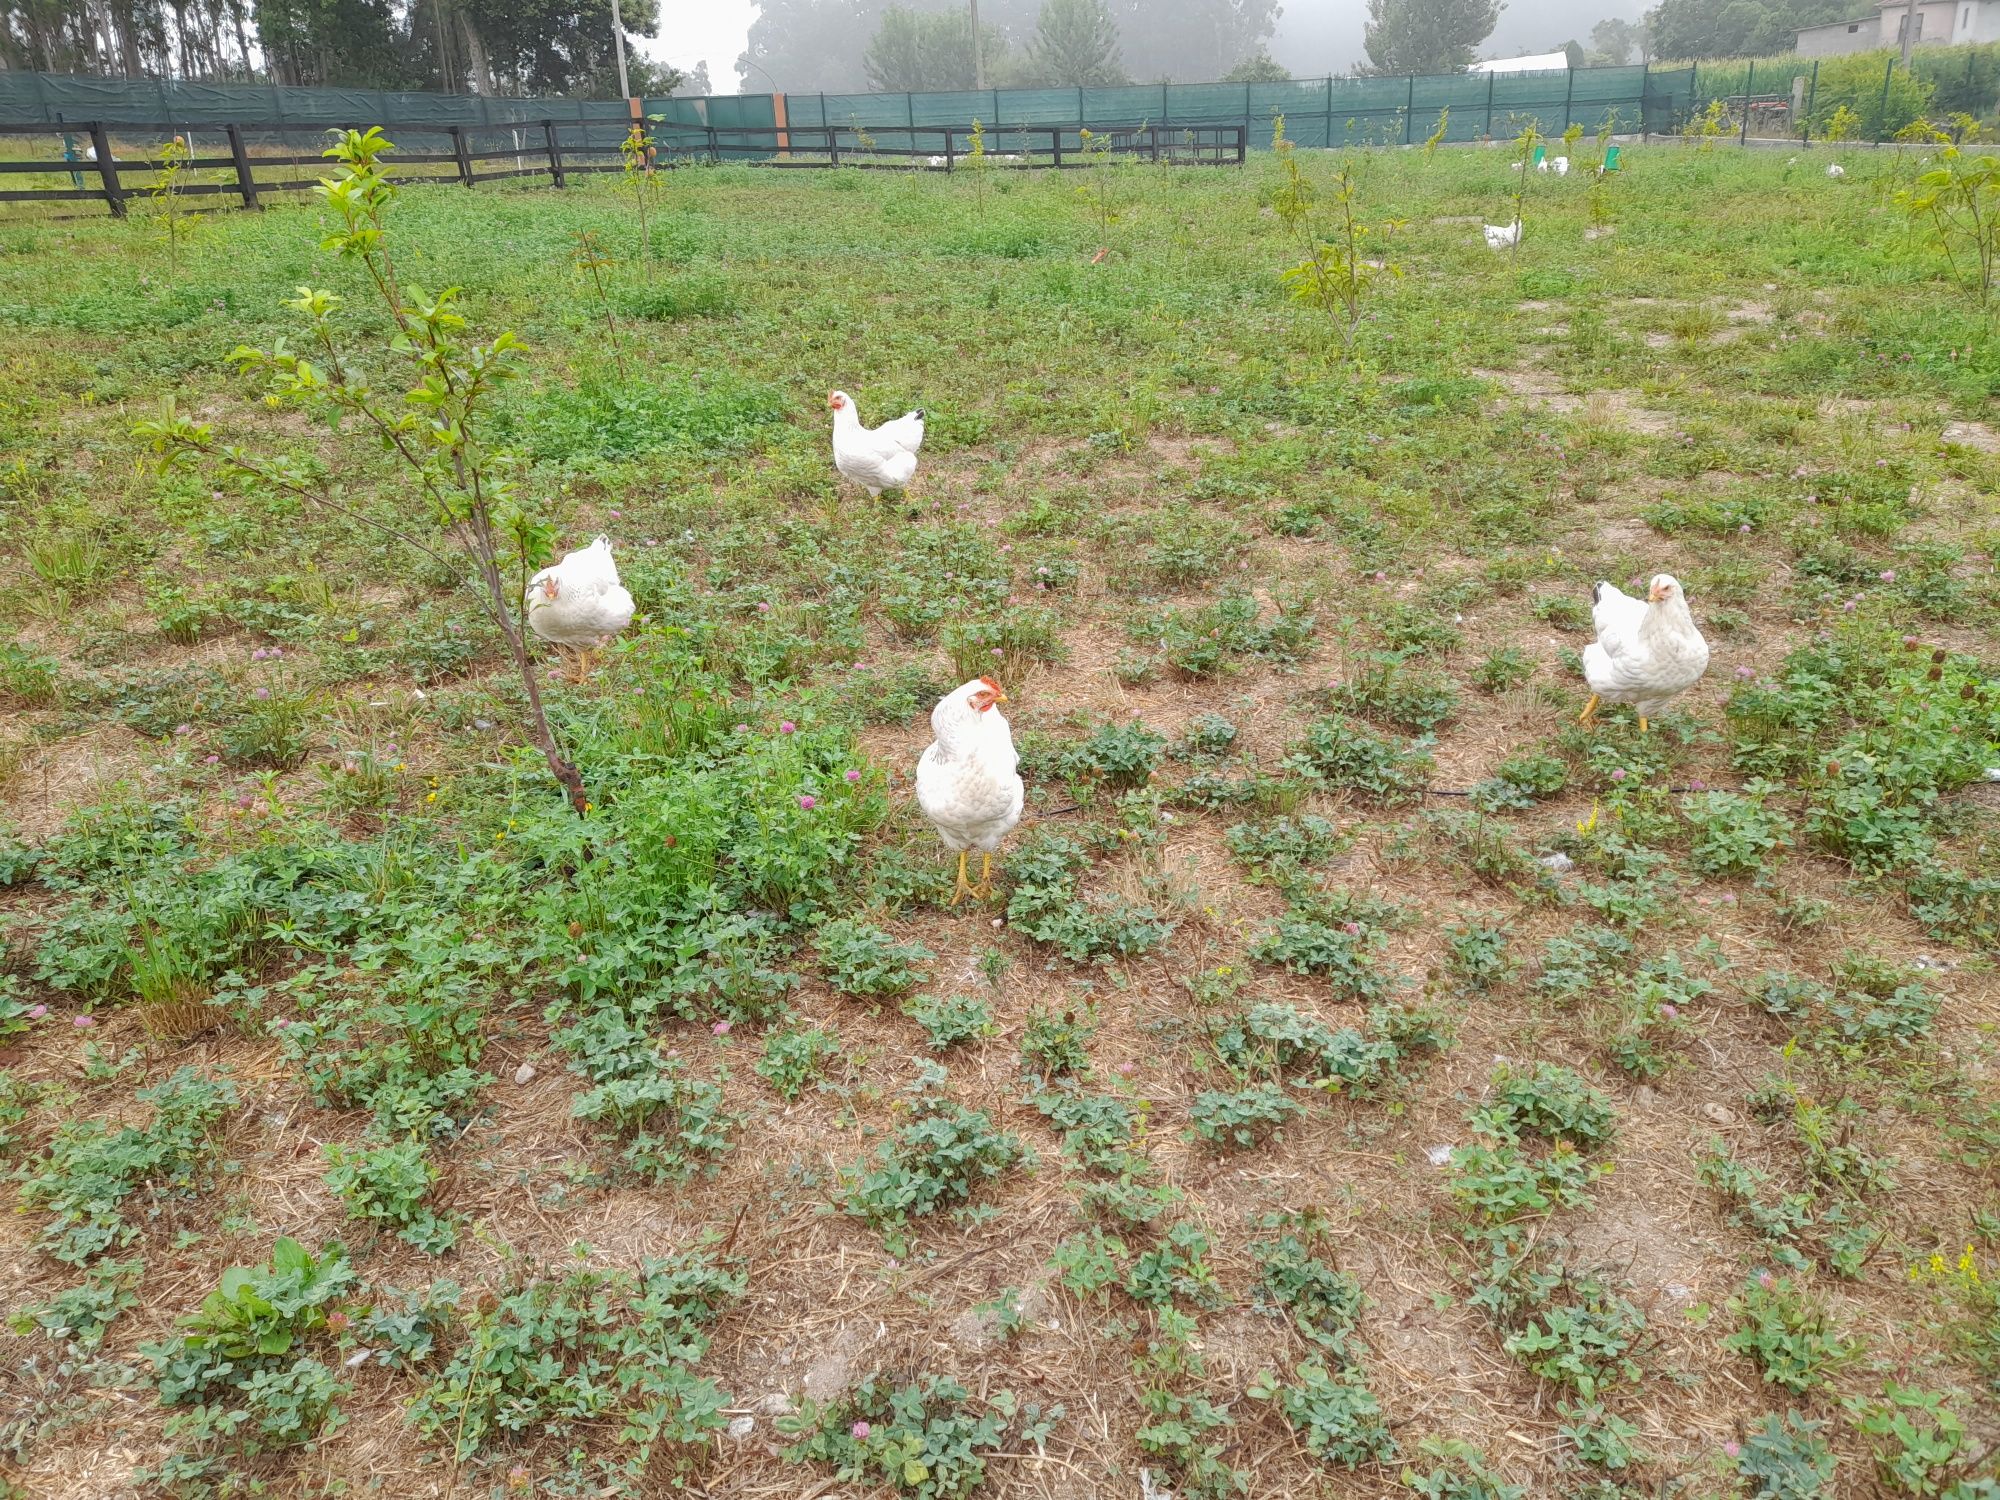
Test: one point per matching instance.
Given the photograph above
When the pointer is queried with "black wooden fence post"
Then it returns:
(1409, 109)
(245, 183)
(107, 169)
(555, 153)
(1489, 106)
(464, 156)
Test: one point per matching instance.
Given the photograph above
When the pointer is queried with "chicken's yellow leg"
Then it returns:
(1642, 723)
(985, 886)
(1589, 711)
(962, 889)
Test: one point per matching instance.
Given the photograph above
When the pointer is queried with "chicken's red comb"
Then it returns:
(991, 683)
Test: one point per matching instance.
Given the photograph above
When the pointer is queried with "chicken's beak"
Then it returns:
(1656, 593)
(998, 696)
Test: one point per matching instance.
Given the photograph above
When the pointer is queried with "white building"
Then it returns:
(1547, 62)
(1938, 23)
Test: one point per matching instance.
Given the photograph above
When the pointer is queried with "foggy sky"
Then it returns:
(1314, 37)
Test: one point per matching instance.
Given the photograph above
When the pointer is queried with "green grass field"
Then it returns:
(1364, 1079)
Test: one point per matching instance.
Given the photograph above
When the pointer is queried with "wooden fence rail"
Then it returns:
(541, 148)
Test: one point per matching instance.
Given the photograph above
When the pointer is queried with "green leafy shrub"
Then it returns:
(1476, 953)
(929, 1441)
(794, 1058)
(1056, 1043)
(238, 1371)
(950, 1021)
(1519, 782)
(388, 1184)
(611, 1352)
(1547, 1100)
(1336, 1415)
(1383, 687)
(1242, 1118)
(940, 1158)
(1337, 752)
(91, 1170)
(1344, 954)
(1325, 1305)
(672, 1126)
(1735, 834)
(1786, 1459)
(1117, 754)
(1046, 905)
(1785, 1332)
(861, 959)
(1282, 848)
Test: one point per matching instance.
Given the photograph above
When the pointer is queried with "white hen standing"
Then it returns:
(967, 783)
(1647, 651)
(579, 602)
(877, 458)
(1502, 236)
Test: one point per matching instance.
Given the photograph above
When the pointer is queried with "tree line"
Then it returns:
(450, 46)
(846, 46)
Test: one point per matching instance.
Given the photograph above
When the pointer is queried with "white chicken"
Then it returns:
(579, 603)
(1835, 170)
(877, 458)
(1562, 166)
(1503, 236)
(1647, 651)
(967, 781)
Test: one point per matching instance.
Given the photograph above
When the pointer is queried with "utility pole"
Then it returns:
(978, 58)
(1911, 16)
(618, 39)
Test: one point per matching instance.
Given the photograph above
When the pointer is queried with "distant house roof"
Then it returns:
(1851, 20)
(1547, 62)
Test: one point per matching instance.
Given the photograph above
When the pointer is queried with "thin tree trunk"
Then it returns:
(475, 52)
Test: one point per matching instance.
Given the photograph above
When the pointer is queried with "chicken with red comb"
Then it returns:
(967, 781)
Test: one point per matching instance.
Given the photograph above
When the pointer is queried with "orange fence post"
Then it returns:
(778, 115)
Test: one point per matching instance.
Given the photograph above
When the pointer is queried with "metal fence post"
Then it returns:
(1812, 93)
(464, 156)
(1569, 93)
(1328, 142)
(107, 169)
(245, 183)
(1489, 107)
(1055, 144)
(555, 153)
(1882, 116)
(1409, 109)
(1749, 91)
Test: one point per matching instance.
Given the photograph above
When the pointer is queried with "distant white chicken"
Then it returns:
(1503, 236)
(1647, 651)
(877, 458)
(967, 783)
(579, 603)
(1556, 164)
(1835, 170)
(1562, 166)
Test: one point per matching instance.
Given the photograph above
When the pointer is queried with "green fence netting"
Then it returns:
(1317, 112)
